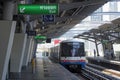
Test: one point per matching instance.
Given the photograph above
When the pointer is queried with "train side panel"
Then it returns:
(54, 52)
(74, 61)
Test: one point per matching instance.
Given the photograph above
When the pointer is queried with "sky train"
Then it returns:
(70, 54)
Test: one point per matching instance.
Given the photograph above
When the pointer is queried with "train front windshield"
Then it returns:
(72, 49)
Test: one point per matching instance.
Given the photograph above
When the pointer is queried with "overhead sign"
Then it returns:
(40, 37)
(38, 9)
(48, 18)
(105, 41)
(31, 33)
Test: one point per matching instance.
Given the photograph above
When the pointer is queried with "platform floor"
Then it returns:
(113, 64)
(46, 70)
(112, 61)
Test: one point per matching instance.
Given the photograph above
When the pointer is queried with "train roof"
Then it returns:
(72, 40)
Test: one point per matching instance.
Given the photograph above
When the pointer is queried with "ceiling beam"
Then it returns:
(53, 30)
(65, 6)
(78, 4)
(84, 13)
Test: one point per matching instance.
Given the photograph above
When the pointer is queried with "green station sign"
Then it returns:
(105, 41)
(38, 9)
(39, 37)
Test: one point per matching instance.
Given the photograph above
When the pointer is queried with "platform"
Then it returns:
(104, 62)
(46, 70)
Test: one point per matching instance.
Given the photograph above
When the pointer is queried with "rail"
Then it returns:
(91, 75)
(97, 74)
(112, 72)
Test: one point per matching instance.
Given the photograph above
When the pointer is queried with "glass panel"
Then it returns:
(71, 49)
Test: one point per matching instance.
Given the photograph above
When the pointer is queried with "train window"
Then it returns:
(65, 49)
(72, 49)
(81, 51)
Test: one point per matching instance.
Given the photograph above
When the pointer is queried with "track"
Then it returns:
(106, 71)
(87, 74)
(80, 76)
(94, 74)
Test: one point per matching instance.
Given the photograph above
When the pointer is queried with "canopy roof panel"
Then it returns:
(102, 18)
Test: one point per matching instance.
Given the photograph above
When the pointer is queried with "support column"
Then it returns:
(17, 54)
(96, 48)
(103, 45)
(96, 45)
(34, 49)
(26, 55)
(23, 25)
(8, 10)
(7, 30)
(31, 50)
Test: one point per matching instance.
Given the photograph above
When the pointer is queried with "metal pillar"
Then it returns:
(96, 48)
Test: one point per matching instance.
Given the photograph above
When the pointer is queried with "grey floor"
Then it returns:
(45, 70)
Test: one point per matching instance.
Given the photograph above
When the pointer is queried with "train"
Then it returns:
(70, 54)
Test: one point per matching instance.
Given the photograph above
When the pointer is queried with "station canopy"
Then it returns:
(104, 15)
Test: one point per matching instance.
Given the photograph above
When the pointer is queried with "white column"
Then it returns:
(26, 55)
(7, 30)
(17, 52)
(31, 50)
(34, 48)
(8, 10)
(23, 25)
